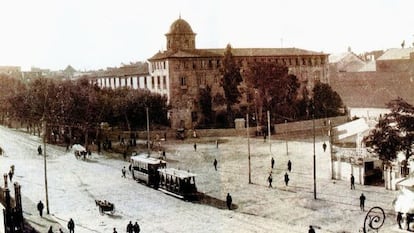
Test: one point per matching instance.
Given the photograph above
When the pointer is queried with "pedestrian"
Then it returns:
(115, 230)
(286, 179)
(60, 230)
(195, 147)
(408, 220)
(264, 137)
(270, 179)
(352, 181)
(324, 146)
(163, 155)
(362, 202)
(71, 226)
(228, 201)
(215, 164)
(399, 219)
(311, 230)
(272, 162)
(289, 165)
(123, 172)
(39, 150)
(40, 207)
(137, 229)
(129, 227)
(217, 143)
(11, 175)
(50, 230)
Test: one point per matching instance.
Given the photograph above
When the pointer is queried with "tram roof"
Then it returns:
(145, 159)
(177, 172)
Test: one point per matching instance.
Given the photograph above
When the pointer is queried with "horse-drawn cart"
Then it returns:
(105, 206)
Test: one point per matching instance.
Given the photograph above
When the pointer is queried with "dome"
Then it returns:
(180, 26)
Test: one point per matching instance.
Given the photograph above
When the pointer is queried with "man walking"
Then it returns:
(270, 179)
(137, 229)
(362, 202)
(130, 227)
(215, 164)
(71, 226)
(311, 230)
(40, 207)
(352, 181)
(195, 147)
(123, 172)
(228, 201)
(272, 162)
(286, 179)
(289, 165)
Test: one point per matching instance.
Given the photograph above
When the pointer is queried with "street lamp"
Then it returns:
(314, 157)
(248, 146)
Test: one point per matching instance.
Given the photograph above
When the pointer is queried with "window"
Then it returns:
(145, 83)
(183, 81)
(152, 82)
(158, 82)
(164, 81)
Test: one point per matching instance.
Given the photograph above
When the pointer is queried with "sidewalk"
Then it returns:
(32, 217)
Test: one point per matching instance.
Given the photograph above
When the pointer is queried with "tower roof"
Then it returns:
(180, 26)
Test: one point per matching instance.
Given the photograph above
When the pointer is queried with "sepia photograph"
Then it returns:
(217, 116)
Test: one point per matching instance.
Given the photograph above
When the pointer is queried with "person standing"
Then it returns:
(40, 207)
(50, 230)
(272, 162)
(114, 230)
(399, 219)
(270, 179)
(228, 201)
(71, 226)
(123, 172)
(39, 150)
(362, 202)
(195, 147)
(137, 229)
(129, 227)
(11, 175)
(311, 230)
(289, 165)
(324, 146)
(286, 179)
(352, 181)
(215, 164)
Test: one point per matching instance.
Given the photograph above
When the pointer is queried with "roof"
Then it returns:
(180, 26)
(396, 54)
(237, 52)
(350, 128)
(346, 62)
(176, 172)
(145, 159)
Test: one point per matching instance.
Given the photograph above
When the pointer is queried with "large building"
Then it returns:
(182, 70)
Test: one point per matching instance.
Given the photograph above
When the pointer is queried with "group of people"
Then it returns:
(71, 227)
(408, 218)
(286, 176)
(132, 228)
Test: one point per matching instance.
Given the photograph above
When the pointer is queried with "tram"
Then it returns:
(178, 183)
(145, 169)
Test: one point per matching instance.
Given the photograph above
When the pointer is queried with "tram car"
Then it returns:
(145, 169)
(178, 183)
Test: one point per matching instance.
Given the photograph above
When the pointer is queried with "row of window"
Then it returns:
(157, 82)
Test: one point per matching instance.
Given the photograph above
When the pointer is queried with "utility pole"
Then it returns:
(314, 157)
(45, 164)
(287, 150)
(248, 146)
(268, 130)
(148, 133)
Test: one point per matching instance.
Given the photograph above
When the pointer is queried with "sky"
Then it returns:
(95, 34)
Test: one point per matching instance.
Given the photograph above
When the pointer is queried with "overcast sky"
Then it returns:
(94, 34)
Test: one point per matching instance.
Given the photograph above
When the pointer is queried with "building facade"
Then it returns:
(186, 70)
(182, 71)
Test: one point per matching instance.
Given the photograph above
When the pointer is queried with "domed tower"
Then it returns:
(180, 36)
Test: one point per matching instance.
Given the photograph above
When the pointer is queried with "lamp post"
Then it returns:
(248, 146)
(44, 162)
(148, 134)
(314, 157)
